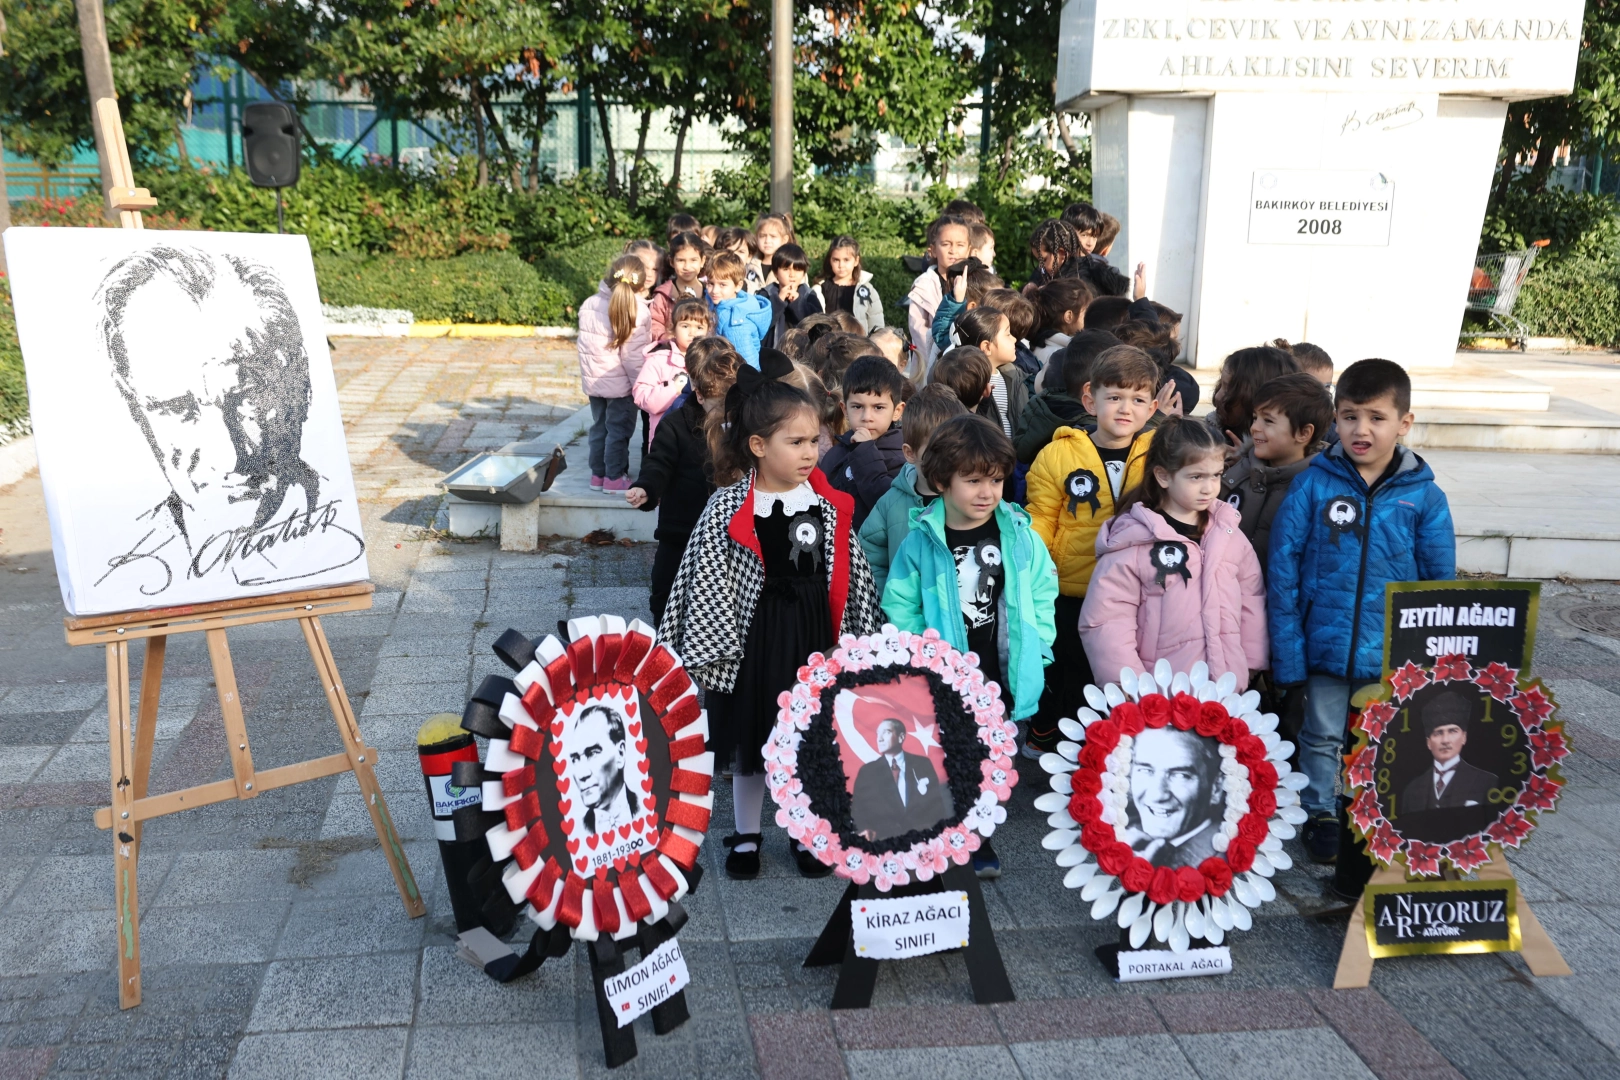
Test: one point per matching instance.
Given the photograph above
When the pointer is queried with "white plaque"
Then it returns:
(652, 982)
(905, 926)
(1321, 207)
(1147, 965)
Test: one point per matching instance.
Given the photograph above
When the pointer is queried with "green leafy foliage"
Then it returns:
(1576, 298)
(1579, 224)
(488, 287)
(13, 386)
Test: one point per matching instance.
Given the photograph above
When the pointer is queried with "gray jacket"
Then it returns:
(1257, 490)
(868, 305)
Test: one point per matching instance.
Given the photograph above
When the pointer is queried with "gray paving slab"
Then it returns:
(939, 1063)
(321, 1055)
(468, 1050)
(1273, 1055)
(343, 992)
(1122, 1057)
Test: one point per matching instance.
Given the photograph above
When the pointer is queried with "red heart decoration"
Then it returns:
(581, 862)
(565, 805)
(556, 729)
(558, 765)
(601, 873)
(641, 746)
(636, 824)
(630, 707)
(635, 730)
(624, 832)
(635, 858)
(651, 802)
(562, 786)
(573, 847)
(646, 783)
(590, 841)
(618, 864)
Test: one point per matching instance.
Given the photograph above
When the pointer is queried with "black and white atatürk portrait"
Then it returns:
(597, 755)
(186, 416)
(1177, 798)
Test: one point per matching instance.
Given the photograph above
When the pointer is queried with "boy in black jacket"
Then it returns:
(791, 299)
(865, 459)
(677, 475)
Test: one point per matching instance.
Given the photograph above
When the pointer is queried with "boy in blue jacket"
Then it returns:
(1367, 512)
(973, 568)
(742, 318)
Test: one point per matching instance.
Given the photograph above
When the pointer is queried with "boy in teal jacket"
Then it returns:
(890, 520)
(972, 568)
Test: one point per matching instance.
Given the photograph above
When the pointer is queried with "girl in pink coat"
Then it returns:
(1176, 579)
(612, 341)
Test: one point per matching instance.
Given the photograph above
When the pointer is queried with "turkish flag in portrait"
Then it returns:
(858, 711)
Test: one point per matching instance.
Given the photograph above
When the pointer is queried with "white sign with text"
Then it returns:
(652, 982)
(906, 926)
(1321, 207)
(1147, 965)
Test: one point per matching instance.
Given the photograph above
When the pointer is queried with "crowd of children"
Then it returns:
(1020, 470)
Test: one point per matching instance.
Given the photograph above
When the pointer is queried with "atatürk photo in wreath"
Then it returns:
(597, 751)
(892, 758)
(1450, 782)
(1177, 797)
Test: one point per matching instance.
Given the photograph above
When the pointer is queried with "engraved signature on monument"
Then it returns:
(1396, 116)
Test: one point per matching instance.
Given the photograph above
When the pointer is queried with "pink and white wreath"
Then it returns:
(901, 651)
(1091, 774)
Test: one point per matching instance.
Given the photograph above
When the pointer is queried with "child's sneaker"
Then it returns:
(1037, 743)
(597, 482)
(621, 484)
(985, 863)
(1322, 838)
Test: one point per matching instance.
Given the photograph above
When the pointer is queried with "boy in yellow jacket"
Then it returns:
(1073, 487)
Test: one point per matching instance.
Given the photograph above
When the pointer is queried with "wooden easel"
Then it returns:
(130, 746)
(1537, 948)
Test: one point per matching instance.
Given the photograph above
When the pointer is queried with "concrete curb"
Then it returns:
(17, 460)
(448, 330)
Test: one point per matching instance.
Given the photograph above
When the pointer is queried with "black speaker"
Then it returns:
(270, 144)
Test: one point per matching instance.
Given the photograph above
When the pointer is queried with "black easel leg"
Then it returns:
(985, 969)
(671, 1014)
(829, 947)
(618, 1043)
(858, 977)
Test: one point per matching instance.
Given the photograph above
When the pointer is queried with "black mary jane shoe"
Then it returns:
(742, 865)
(809, 865)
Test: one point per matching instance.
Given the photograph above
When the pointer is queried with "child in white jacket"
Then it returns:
(613, 332)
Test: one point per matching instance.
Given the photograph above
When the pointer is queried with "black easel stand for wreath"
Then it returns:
(836, 945)
(607, 960)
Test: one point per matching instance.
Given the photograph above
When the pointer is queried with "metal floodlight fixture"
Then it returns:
(515, 474)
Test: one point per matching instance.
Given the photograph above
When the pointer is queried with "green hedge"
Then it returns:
(13, 387)
(492, 287)
(1575, 298)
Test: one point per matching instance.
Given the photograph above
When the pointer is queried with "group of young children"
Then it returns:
(1023, 475)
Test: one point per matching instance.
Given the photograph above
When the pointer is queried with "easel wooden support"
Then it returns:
(858, 976)
(1537, 948)
(130, 741)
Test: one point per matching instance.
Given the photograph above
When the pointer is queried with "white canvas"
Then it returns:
(185, 416)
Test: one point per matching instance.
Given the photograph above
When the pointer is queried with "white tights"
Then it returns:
(747, 804)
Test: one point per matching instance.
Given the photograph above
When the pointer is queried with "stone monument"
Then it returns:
(1307, 169)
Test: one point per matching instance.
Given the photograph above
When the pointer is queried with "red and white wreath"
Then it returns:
(801, 706)
(1091, 778)
(1545, 746)
(601, 880)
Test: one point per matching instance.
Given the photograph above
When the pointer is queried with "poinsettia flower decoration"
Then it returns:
(1408, 680)
(1423, 859)
(1452, 668)
(1540, 792)
(1375, 717)
(1510, 829)
(1468, 854)
(1383, 843)
(1547, 748)
(1363, 766)
(1532, 706)
(1498, 680)
(1364, 811)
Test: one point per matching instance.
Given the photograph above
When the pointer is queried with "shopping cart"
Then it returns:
(1494, 289)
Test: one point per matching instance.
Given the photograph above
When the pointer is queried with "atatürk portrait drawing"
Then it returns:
(208, 355)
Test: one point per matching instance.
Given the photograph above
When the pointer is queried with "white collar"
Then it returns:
(796, 501)
(1449, 766)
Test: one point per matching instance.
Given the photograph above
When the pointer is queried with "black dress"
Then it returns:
(792, 619)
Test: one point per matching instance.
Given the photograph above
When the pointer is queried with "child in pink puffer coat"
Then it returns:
(613, 328)
(1176, 579)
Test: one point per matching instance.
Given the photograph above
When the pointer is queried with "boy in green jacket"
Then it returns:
(890, 520)
(973, 568)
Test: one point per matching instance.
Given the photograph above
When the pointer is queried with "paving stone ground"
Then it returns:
(274, 943)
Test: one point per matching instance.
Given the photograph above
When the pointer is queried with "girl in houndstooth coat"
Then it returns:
(771, 574)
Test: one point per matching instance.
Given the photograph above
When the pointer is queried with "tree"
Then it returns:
(1588, 118)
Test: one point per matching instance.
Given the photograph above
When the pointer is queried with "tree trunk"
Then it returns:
(1067, 136)
(514, 167)
(98, 80)
(180, 146)
(641, 155)
(1006, 161)
(680, 147)
(478, 138)
(534, 143)
(607, 142)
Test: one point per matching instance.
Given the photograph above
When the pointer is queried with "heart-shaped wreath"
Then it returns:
(626, 857)
(809, 784)
(1532, 744)
(1091, 807)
